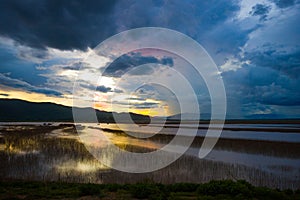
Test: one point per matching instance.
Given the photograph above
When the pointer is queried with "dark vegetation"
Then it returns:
(224, 189)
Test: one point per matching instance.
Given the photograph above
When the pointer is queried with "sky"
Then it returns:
(255, 44)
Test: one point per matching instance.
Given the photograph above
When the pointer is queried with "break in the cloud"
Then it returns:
(255, 44)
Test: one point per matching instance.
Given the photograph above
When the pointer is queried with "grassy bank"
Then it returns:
(225, 189)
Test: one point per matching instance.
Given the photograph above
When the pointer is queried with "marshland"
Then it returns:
(57, 152)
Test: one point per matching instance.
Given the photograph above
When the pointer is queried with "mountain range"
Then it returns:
(15, 110)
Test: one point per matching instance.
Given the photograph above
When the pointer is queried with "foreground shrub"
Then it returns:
(225, 189)
(145, 190)
(229, 187)
(90, 189)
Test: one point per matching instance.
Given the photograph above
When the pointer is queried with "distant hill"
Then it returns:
(190, 116)
(15, 110)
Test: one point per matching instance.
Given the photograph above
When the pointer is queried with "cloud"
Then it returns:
(101, 88)
(232, 64)
(19, 84)
(58, 24)
(136, 99)
(277, 95)
(74, 66)
(191, 16)
(118, 91)
(255, 44)
(127, 62)
(16, 67)
(250, 85)
(77, 25)
(225, 40)
(4, 95)
(283, 61)
(31, 54)
(210, 23)
(284, 3)
(144, 105)
(137, 104)
(260, 10)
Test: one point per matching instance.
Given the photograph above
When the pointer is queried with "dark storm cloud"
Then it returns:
(167, 61)
(282, 61)
(226, 39)
(275, 95)
(138, 105)
(261, 11)
(65, 24)
(198, 19)
(46, 91)
(284, 3)
(118, 91)
(136, 99)
(31, 54)
(267, 86)
(61, 24)
(271, 78)
(19, 68)
(78, 24)
(278, 95)
(75, 66)
(19, 84)
(127, 62)
(144, 105)
(101, 88)
(186, 16)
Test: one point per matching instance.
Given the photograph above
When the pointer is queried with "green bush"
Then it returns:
(143, 190)
(289, 192)
(112, 187)
(229, 187)
(90, 189)
(226, 189)
(183, 187)
(267, 193)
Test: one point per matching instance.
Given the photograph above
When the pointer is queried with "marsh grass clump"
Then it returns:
(90, 190)
(144, 190)
(228, 189)
(223, 189)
